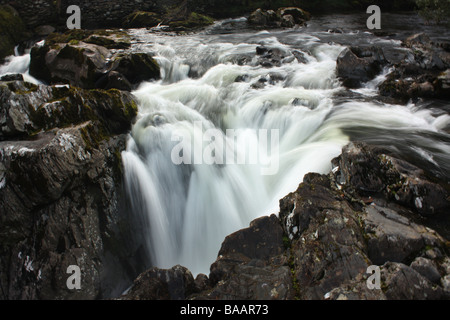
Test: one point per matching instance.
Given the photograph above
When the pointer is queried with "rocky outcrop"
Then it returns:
(60, 191)
(283, 17)
(90, 60)
(356, 65)
(324, 239)
(423, 74)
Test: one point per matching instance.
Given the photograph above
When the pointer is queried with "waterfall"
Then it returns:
(189, 208)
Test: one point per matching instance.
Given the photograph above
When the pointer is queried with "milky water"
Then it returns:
(213, 79)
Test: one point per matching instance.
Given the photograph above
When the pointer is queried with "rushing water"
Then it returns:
(214, 79)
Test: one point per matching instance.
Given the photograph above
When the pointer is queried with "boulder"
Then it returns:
(85, 59)
(283, 17)
(356, 65)
(176, 283)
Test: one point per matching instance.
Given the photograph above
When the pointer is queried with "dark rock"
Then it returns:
(404, 283)
(355, 65)
(88, 60)
(370, 171)
(44, 30)
(12, 30)
(12, 77)
(423, 74)
(392, 237)
(176, 283)
(60, 191)
(283, 17)
(137, 67)
(427, 269)
(251, 264)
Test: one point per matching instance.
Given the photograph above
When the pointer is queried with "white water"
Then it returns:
(189, 209)
(18, 64)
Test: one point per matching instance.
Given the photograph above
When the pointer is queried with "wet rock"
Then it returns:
(251, 264)
(404, 283)
(60, 191)
(85, 59)
(162, 284)
(370, 171)
(356, 65)
(392, 237)
(28, 109)
(422, 74)
(12, 77)
(12, 30)
(427, 268)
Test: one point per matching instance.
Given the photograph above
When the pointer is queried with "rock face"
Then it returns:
(89, 60)
(60, 194)
(425, 72)
(12, 30)
(323, 241)
(283, 17)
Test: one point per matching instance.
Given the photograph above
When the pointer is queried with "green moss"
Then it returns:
(12, 30)
(194, 20)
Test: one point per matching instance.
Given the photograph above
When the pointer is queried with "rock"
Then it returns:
(192, 21)
(136, 67)
(327, 246)
(142, 19)
(355, 65)
(392, 237)
(299, 16)
(427, 269)
(162, 284)
(371, 172)
(423, 74)
(12, 30)
(12, 77)
(251, 264)
(60, 191)
(404, 283)
(28, 109)
(85, 59)
(283, 17)
(44, 30)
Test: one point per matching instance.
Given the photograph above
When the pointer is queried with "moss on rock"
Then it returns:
(12, 30)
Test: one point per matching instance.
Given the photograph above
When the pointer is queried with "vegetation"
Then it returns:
(434, 10)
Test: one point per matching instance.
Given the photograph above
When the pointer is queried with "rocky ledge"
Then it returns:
(373, 209)
(423, 71)
(60, 190)
(90, 59)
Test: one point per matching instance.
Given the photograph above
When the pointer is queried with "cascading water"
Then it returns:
(216, 82)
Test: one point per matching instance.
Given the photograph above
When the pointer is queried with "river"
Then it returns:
(291, 115)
